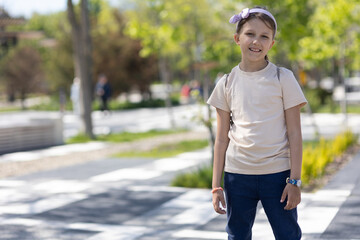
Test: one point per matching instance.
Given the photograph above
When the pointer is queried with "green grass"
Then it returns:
(123, 137)
(10, 109)
(167, 150)
(336, 109)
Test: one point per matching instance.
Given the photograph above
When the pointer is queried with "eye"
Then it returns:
(265, 36)
(249, 34)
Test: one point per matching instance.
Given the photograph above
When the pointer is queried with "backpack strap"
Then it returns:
(226, 80)
(278, 76)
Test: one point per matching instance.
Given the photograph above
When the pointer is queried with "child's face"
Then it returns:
(255, 40)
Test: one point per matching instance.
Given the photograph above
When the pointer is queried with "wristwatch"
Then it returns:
(294, 182)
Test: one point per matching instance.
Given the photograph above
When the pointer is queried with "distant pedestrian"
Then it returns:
(185, 94)
(62, 100)
(75, 95)
(258, 142)
(103, 91)
(196, 92)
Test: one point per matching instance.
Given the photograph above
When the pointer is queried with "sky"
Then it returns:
(25, 8)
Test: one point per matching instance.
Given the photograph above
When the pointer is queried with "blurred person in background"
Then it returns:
(103, 91)
(75, 95)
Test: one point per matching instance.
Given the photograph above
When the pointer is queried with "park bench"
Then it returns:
(30, 133)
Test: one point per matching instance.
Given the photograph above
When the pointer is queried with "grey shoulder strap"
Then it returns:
(226, 80)
(231, 117)
(278, 76)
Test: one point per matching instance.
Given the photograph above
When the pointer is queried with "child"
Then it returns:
(258, 142)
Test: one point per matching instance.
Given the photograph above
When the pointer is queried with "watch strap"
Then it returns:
(293, 181)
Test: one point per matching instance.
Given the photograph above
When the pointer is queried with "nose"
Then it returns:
(256, 41)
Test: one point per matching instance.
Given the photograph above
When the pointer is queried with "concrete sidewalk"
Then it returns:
(20, 163)
(88, 195)
(346, 223)
(333, 212)
(129, 199)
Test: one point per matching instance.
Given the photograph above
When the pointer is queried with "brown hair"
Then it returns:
(263, 17)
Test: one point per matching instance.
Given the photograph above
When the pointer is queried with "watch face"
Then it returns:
(298, 183)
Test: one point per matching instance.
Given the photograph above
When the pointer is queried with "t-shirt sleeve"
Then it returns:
(292, 93)
(218, 97)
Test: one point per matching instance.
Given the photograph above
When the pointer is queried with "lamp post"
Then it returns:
(343, 103)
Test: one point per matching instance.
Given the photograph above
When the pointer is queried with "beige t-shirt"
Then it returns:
(257, 100)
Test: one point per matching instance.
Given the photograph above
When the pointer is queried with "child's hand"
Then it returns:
(218, 197)
(293, 195)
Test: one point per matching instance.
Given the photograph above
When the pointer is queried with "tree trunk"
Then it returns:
(22, 100)
(165, 79)
(82, 57)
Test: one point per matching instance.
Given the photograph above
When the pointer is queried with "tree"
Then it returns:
(23, 72)
(117, 55)
(80, 30)
(181, 33)
(184, 35)
(292, 17)
(335, 36)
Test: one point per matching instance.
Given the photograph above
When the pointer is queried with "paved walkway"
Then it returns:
(130, 199)
(20, 163)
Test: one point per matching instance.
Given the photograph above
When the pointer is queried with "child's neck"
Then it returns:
(248, 66)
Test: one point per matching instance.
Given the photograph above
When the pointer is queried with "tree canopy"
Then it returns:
(335, 24)
(129, 45)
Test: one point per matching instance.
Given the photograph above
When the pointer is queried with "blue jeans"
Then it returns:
(242, 195)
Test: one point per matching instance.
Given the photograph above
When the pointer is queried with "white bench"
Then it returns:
(28, 134)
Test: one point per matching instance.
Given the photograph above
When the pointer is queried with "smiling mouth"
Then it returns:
(254, 50)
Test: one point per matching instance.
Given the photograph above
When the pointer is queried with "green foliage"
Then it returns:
(117, 55)
(318, 97)
(331, 108)
(52, 105)
(114, 54)
(183, 32)
(129, 136)
(317, 156)
(80, 138)
(167, 150)
(200, 178)
(122, 137)
(21, 70)
(128, 43)
(334, 24)
(151, 103)
(292, 17)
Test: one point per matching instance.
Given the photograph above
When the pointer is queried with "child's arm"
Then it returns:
(221, 144)
(293, 124)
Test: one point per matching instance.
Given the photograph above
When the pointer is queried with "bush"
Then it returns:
(151, 103)
(317, 157)
(318, 97)
(200, 178)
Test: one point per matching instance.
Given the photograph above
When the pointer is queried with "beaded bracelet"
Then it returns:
(215, 189)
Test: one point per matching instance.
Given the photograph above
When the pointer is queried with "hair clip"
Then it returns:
(238, 17)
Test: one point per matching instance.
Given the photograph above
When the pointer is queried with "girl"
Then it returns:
(258, 141)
